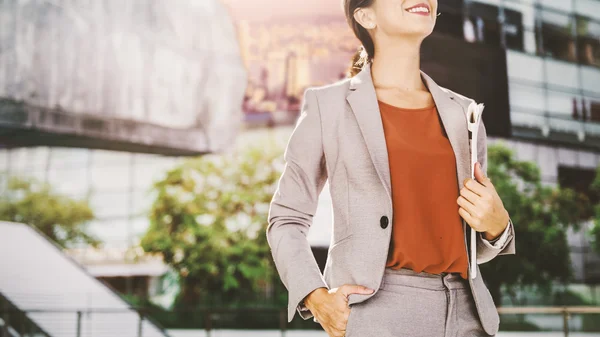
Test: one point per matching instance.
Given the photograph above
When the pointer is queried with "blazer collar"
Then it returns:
(363, 101)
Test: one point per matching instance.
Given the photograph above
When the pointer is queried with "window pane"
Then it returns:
(513, 29)
(561, 74)
(588, 42)
(110, 158)
(4, 160)
(556, 37)
(142, 202)
(562, 5)
(110, 205)
(72, 182)
(526, 67)
(147, 174)
(139, 226)
(589, 8)
(110, 178)
(590, 109)
(594, 109)
(527, 98)
(3, 181)
(581, 108)
(18, 160)
(590, 77)
(482, 25)
(113, 233)
(561, 105)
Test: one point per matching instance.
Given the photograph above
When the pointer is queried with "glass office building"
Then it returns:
(553, 69)
(81, 79)
(536, 66)
(116, 184)
(549, 84)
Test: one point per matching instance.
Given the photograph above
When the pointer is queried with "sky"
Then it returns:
(264, 9)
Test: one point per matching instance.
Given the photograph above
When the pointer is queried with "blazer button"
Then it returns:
(384, 222)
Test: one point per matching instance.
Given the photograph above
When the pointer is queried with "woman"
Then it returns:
(394, 148)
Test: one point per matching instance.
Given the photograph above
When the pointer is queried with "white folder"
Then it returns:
(473, 119)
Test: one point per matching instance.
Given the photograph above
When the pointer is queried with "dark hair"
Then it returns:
(366, 52)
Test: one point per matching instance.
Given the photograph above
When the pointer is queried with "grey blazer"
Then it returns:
(339, 137)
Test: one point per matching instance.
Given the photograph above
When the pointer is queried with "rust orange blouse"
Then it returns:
(427, 233)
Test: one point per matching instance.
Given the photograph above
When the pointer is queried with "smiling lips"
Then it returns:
(419, 9)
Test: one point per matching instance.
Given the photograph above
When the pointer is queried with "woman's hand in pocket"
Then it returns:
(330, 307)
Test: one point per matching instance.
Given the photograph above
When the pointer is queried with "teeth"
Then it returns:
(419, 9)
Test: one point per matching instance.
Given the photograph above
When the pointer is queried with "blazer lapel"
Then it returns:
(363, 101)
(454, 120)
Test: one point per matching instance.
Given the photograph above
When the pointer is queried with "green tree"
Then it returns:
(209, 220)
(59, 217)
(595, 231)
(542, 216)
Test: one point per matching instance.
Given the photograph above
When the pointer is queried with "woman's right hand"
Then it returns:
(330, 307)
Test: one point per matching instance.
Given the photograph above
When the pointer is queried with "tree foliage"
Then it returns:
(59, 217)
(209, 220)
(595, 230)
(541, 215)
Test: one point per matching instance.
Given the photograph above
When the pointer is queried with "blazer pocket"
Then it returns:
(348, 328)
(341, 255)
(340, 242)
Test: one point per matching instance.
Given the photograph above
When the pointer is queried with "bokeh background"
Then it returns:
(141, 142)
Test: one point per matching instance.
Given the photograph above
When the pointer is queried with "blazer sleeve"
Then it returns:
(485, 251)
(293, 206)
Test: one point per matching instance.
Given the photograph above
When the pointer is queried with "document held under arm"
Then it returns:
(473, 120)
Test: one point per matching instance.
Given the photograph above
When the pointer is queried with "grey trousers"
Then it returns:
(411, 304)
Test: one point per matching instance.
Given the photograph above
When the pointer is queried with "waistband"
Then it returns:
(411, 278)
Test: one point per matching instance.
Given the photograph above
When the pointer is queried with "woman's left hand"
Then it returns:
(481, 207)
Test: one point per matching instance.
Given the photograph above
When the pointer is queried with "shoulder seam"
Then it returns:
(314, 92)
(338, 83)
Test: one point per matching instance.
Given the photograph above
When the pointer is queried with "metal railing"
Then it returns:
(565, 311)
(211, 318)
(21, 323)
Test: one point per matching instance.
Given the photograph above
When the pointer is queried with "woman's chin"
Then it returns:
(417, 34)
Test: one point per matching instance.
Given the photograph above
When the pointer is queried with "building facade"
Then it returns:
(549, 84)
(553, 69)
(536, 66)
(100, 98)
